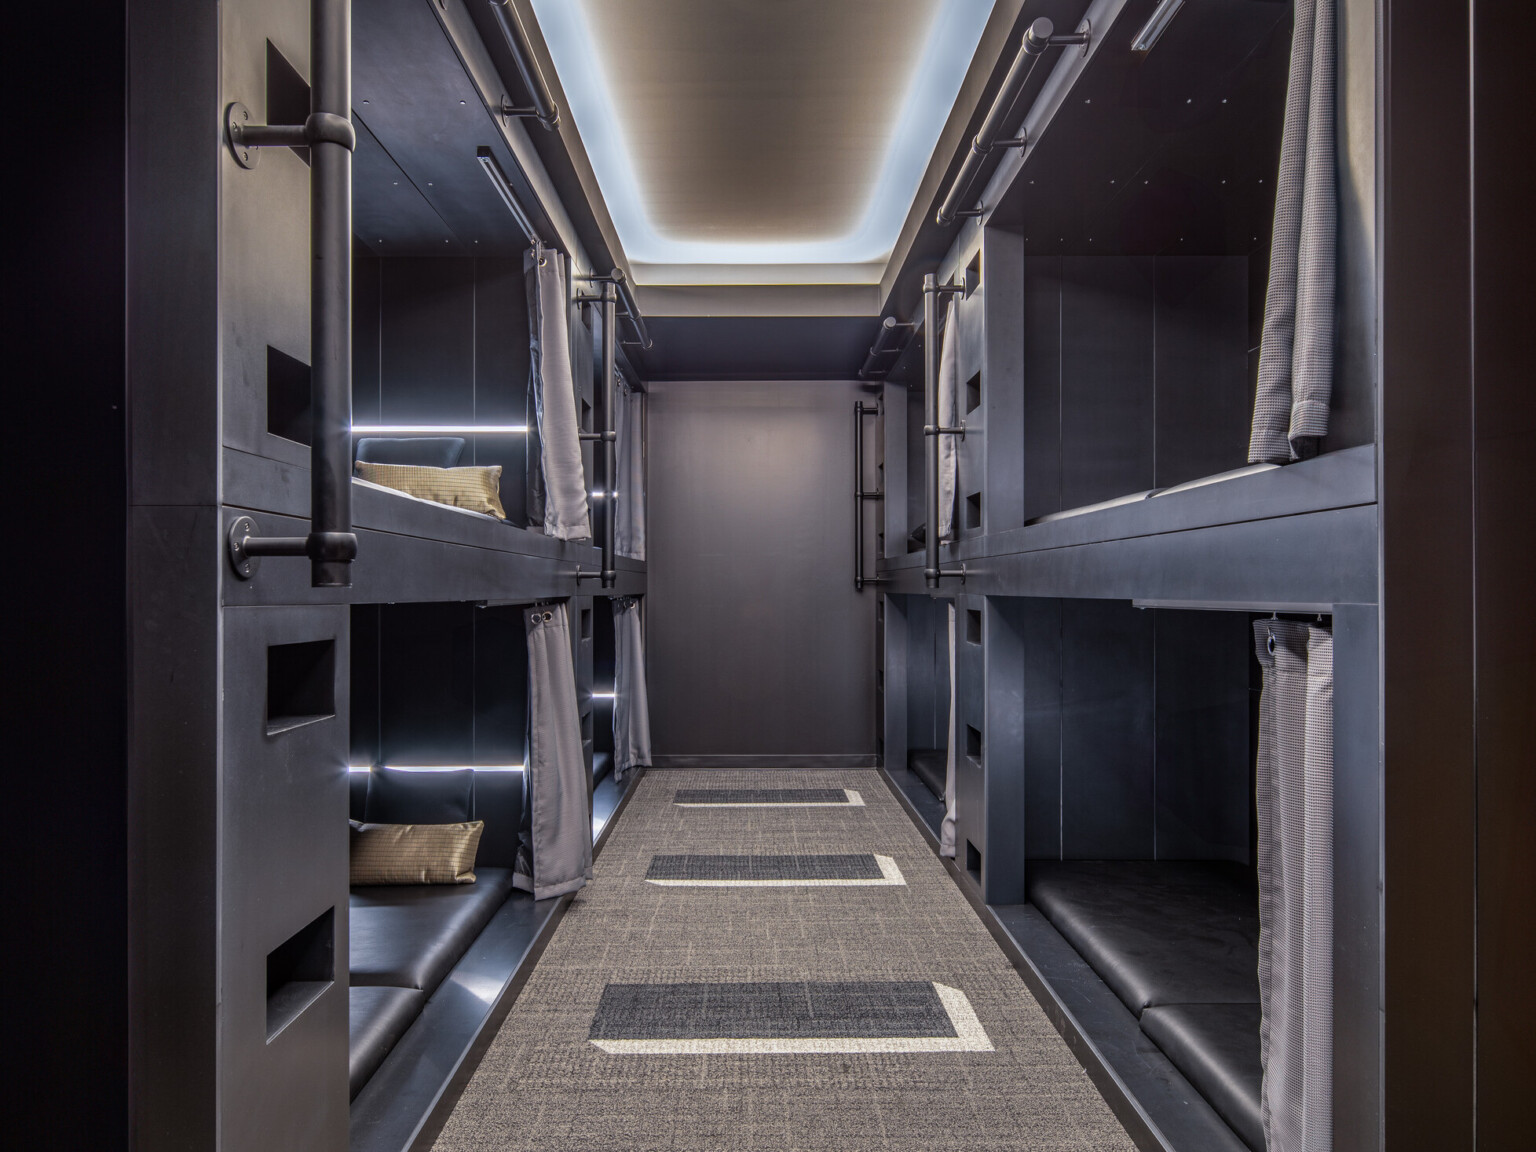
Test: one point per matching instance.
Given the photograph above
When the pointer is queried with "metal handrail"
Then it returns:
(544, 109)
(1037, 38)
(331, 545)
(861, 410)
(932, 430)
(884, 346)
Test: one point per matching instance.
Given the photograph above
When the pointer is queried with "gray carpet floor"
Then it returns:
(544, 1084)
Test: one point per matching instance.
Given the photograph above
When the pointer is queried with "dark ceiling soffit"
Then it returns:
(564, 157)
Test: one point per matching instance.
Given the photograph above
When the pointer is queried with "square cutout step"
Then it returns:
(299, 970)
(301, 684)
(973, 626)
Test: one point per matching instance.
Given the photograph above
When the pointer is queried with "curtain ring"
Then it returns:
(1270, 643)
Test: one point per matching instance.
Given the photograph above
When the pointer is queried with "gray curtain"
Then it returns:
(949, 417)
(947, 828)
(555, 844)
(1295, 813)
(557, 496)
(629, 529)
(631, 703)
(1290, 412)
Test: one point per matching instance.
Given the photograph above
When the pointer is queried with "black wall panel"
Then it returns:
(1201, 757)
(1106, 731)
(1202, 405)
(1136, 375)
(445, 341)
(1107, 377)
(1039, 622)
(442, 684)
(427, 341)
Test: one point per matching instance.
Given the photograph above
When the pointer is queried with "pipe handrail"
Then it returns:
(1039, 36)
(544, 109)
(932, 429)
(884, 347)
(861, 410)
(331, 545)
(617, 278)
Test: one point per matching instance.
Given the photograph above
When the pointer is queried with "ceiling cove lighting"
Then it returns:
(440, 429)
(950, 44)
(439, 767)
(1156, 25)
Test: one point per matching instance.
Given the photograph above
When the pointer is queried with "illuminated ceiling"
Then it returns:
(760, 141)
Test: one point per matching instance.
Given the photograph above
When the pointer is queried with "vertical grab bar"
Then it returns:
(932, 290)
(610, 431)
(331, 545)
(861, 410)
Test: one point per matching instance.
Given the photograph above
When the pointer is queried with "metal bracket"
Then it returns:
(934, 575)
(930, 430)
(246, 140)
(244, 564)
(245, 549)
(611, 437)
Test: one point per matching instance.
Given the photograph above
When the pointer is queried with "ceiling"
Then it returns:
(740, 141)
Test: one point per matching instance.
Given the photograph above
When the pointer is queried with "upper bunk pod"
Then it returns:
(465, 262)
(1135, 348)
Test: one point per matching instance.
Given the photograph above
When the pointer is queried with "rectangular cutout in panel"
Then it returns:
(287, 396)
(973, 393)
(973, 510)
(973, 625)
(973, 742)
(301, 684)
(287, 95)
(586, 623)
(299, 970)
(973, 861)
(973, 273)
(586, 416)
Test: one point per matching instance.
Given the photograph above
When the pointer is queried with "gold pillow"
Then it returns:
(477, 489)
(415, 853)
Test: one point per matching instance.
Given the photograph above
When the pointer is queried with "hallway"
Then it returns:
(807, 977)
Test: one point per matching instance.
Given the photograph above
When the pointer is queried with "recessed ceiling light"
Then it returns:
(950, 44)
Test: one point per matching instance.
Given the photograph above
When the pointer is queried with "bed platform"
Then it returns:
(1178, 943)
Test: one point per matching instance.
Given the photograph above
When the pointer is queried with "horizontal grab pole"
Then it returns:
(544, 109)
(1037, 38)
(620, 282)
(885, 345)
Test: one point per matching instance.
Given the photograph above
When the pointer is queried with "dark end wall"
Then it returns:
(761, 651)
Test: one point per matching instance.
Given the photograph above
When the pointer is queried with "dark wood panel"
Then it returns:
(1201, 767)
(427, 341)
(1106, 731)
(1106, 378)
(1505, 443)
(1428, 622)
(1203, 408)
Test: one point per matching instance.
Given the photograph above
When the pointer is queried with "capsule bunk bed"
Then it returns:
(1124, 529)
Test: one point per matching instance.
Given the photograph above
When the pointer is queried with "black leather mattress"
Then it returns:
(410, 936)
(930, 765)
(1178, 942)
(377, 1018)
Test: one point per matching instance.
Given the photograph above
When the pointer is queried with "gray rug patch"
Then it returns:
(760, 796)
(773, 1009)
(861, 866)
